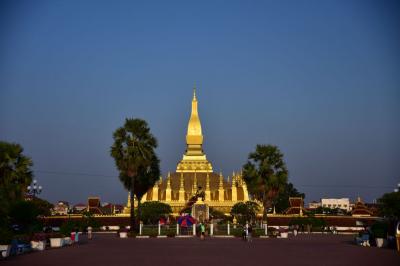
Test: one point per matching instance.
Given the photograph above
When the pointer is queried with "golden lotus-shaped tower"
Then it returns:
(194, 158)
(194, 173)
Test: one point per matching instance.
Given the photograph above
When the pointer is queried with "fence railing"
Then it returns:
(212, 229)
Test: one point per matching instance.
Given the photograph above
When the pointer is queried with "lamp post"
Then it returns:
(398, 188)
(34, 189)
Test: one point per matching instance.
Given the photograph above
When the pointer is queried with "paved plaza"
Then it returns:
(302, 250)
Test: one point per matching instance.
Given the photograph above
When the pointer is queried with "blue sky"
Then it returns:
(320, 79)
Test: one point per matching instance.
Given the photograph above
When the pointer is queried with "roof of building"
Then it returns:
(296, 206)
(360, 209)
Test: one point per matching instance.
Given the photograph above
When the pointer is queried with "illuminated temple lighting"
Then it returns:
(194, 171)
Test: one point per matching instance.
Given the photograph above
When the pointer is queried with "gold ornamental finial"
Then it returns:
(221, 180)
(194, 91)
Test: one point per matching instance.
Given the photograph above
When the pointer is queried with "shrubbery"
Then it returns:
(6, 236)
(152, 211)
(315, 223)
(380, 229)
(245, 211)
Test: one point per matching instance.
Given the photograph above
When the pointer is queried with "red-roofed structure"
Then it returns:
(296, 206)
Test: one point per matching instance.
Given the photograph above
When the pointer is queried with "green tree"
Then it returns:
(389, 205)
(216, 214)
(265, 174)
(42, 206)
(15, 176)
(135, 158)
(152, 211)
(245, 211)
(146, 180)
(281, 202)
(88, 220)
(25, 214)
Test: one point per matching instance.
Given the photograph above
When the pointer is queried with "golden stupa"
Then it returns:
(193, 173)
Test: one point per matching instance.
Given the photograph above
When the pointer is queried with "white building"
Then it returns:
(61, 208)
(314, 205)
(342, 203)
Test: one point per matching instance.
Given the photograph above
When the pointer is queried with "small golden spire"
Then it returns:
(194, 91)
(169, 180)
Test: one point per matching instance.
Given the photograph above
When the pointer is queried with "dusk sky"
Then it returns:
(319, 79)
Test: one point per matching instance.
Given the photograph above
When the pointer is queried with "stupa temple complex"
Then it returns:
(195, 173)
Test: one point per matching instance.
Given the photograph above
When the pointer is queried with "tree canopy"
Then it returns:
(134, 153)
(15, 176)
(389, 205)
(152, 211)
(281, 202)
(245, 211)
(15, 171)
(265, 174)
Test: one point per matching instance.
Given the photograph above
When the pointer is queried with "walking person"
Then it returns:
(76, 235)
(246, 231)
(89, 231)
(202, 231)
(249, 233)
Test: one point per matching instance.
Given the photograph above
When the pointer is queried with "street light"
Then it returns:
(398, 188)
(34, 189)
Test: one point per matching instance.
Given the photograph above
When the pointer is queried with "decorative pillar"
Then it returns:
(154, 195)
(194, 229)
(234, 189)
(181, 189)
(211, 229)
(229, 228)
(168, 190)
(128, 204)
(159, 228)
(221, 188)
(140, 228)
(208, 192)
(177, 229)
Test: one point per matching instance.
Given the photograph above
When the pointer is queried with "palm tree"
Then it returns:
(145, 180)
(265, 174)
(15, 175)
(135, 158)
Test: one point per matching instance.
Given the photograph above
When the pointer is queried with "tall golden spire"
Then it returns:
(194, 134)
(194, 157)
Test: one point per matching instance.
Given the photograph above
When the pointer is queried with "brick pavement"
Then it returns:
(302, 250)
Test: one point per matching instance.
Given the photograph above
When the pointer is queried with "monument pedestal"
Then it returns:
(200, 211)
